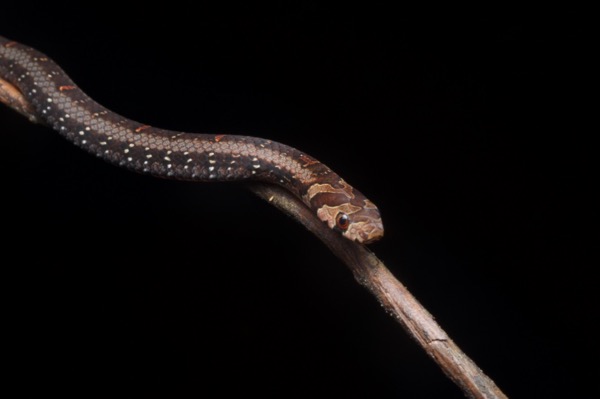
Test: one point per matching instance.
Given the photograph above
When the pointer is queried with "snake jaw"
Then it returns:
(365, 232)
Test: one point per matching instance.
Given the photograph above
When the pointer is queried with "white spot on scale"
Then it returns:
(256, 166)
(210, 154)
(211, 176)
(49, 100)
(253, 172)
(229, 168)
(189, 160)
(129, 159)
(34, 91)
(87, 128)
(131, 145)
(145, 162)
(81, 132)
(61, 119)
(255, 159)
(186, 153)
(84, 141)
(169, 152)
(126, 150)
(147, 149)
(169, 166)
(185, 167)
(232, 162)
(167, 159)
(211, 168)
(103, 143)
(149, 156)
(212, 161)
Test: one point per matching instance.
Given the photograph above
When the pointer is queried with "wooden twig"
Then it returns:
(368, 271)
(12, 97)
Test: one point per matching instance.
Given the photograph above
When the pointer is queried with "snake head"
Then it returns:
(357, 223)
(364, 226)
(346, 210)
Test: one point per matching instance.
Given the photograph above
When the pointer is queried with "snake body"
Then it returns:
(59, 103)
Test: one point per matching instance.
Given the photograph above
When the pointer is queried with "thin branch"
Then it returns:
(12, 97)
(368, 270)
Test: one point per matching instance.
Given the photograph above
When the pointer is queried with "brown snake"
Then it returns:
(57, 102)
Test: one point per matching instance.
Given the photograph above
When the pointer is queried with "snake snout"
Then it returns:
(371, 232)
(366, 230)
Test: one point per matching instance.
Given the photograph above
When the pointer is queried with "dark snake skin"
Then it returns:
(59, 103)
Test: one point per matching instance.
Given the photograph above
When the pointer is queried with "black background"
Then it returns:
(470, 134)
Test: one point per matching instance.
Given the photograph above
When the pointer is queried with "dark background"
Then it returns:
(470, 134)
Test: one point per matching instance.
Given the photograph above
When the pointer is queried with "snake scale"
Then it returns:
(57, 102)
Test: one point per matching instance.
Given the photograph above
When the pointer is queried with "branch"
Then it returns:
(12, 97)
(368, 270)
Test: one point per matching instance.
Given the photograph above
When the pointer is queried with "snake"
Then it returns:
(57, 102)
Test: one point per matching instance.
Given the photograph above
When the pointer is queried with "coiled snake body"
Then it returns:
(59, 103)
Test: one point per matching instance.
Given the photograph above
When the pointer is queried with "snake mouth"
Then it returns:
(365, 232)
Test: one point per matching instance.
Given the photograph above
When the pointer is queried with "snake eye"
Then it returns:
(342, 221)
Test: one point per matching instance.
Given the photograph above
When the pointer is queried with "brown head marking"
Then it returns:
(346, 210)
